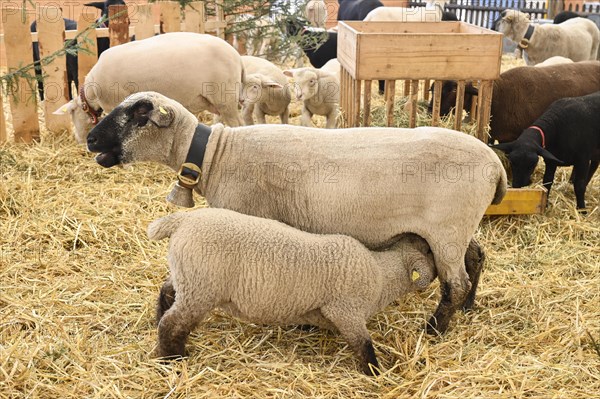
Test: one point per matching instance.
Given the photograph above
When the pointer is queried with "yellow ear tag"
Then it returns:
(162, 110)
(415, 275)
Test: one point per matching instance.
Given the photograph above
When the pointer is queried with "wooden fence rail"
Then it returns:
(51, 35)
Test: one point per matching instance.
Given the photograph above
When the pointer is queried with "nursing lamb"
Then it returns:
(267, 272)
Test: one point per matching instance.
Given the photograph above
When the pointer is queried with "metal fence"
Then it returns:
(484, 12)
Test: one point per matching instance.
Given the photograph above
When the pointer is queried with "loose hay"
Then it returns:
(79, 279)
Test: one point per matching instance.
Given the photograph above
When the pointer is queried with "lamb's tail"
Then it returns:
(501, 186)
(165, 226)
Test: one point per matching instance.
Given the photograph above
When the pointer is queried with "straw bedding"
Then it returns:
(79, 279)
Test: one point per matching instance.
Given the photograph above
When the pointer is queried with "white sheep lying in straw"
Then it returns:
(265, 91)
(266, 272)
(319, 90)
(201, 72)
(577, 38)
(369, 183)
(432, 12)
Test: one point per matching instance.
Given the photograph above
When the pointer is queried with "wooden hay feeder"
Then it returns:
(414, 51)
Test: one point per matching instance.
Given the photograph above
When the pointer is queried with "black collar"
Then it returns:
(524, 43)
(191, 171)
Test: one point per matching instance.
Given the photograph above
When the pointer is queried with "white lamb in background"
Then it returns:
(265, 91)
(319, 89)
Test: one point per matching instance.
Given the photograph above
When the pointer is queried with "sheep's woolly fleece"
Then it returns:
(79, 280)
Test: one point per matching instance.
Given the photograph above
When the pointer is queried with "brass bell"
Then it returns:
(181, 196)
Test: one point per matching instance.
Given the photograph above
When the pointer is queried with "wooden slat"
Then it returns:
(118, 28)
(194, 17)
(367, 103)
(521, 201)
(390, 86)
(484, 105)
(23, 101)
(437, 98)
(426, 88)
(144, 27)
(220, 19)
(3, 134)
(86, 61)
(414, 97)
(169, 16)
(56, 93)
(460, 100)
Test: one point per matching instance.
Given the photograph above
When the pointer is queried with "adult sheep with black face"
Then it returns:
(200, 71)
(369, 183)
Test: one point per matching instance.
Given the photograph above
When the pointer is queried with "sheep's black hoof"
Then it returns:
(307, 327)
(370, 365)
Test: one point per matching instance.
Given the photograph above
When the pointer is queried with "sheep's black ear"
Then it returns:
(506, 147)
(470, 89)
(140, 112)
(96, 4)
(547, 155)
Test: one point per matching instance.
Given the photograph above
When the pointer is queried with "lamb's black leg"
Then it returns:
(581, 173)
(549, 175)
(166, 298)
(593, 167)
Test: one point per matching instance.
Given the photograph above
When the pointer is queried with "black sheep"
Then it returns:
(568, 133)
(356, 10)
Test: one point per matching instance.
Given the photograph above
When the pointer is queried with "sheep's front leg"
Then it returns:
(332, 118)
(306, 118)
(284, 116)
(454, 284)
(548, 178)
(353, 328)
(580, 176)
(247, 114)
(260, 115)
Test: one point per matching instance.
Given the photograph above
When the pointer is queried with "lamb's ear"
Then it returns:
(96, 4)
(66, 108)
(506, 147)
(547, 155)
(272, 84)
(289, 73)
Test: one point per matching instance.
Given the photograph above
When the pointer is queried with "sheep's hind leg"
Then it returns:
(354, 330)
(474, 259)
(174, 329)
(166, 298)
(455, 287)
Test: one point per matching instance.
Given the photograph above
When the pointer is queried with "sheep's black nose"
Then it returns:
(91, 140)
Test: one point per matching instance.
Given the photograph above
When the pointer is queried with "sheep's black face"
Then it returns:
(523, 161)
(116, 128)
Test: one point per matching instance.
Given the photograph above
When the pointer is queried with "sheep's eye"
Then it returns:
(313, 82)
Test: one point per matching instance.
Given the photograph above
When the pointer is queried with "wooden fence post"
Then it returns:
(170, 16)
(144, 28)
(86, 60)
(118, 27)
(3, 135)
(194, 17)
(51, 38)
(22, 98)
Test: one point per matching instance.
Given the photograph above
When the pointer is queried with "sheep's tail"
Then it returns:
(501, 187)
(165, 226)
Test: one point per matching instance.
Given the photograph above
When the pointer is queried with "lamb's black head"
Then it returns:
(103, 7)
(120, 134)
